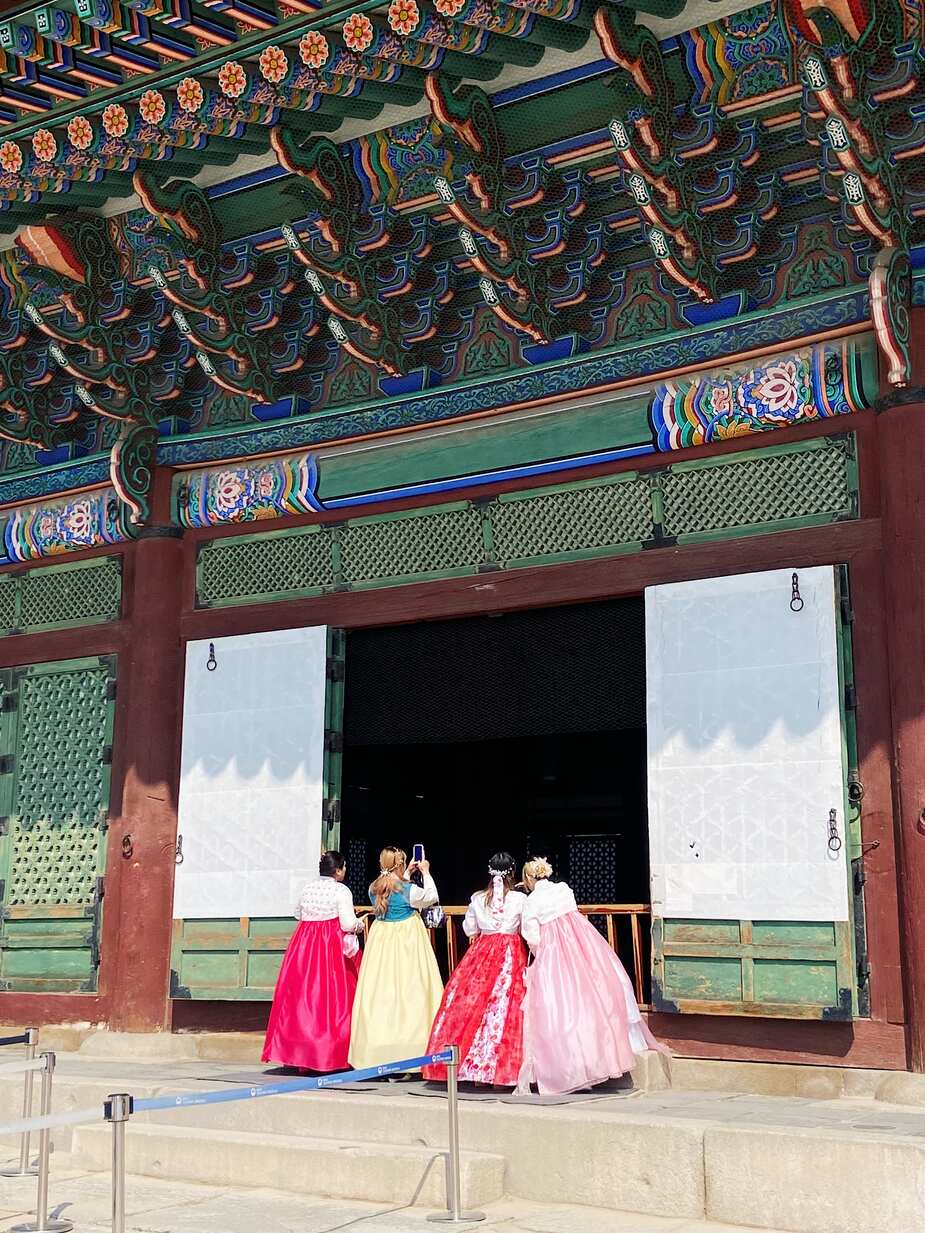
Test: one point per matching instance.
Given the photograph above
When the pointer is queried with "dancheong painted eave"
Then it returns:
(751, 163)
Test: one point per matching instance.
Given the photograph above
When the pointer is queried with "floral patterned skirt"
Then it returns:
(482, 1012)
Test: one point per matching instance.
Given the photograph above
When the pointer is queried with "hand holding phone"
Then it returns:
(417, 853)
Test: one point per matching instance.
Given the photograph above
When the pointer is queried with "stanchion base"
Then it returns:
(50, 1226)
(31, 1171)
(462, 1218)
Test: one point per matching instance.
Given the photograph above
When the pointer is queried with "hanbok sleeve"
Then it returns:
(471, 922)
(530, 927)
(424, 896)
(349, 921)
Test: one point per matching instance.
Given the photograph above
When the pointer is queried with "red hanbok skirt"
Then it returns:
(309, 1024)
(482, 1012)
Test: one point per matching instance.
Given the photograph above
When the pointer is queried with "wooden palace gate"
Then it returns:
(56, 726)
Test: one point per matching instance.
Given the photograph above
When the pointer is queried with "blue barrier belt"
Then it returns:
(13, 1040)
(290, 1085)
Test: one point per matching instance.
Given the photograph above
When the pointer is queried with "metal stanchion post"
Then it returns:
(25, 1168)
(454, 1213)
(42, 1223)
(118, 1111)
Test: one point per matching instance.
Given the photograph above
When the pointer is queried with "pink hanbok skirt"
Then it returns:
(309, 1024)
(582, 1025)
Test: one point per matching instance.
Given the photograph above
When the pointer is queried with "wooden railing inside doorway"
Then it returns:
(633, 957)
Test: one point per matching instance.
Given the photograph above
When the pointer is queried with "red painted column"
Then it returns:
(901, 443)
(143, 843)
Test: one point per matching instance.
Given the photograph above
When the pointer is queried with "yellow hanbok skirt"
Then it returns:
(398, 994)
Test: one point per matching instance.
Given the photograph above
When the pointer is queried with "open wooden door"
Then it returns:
(259, 799)
(753, 902)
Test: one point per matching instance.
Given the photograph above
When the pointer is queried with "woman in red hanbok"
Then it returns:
(481, 1007)
(309, 1026)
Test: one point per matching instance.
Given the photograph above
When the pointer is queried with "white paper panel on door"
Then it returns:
(251, 778)
(745, 749)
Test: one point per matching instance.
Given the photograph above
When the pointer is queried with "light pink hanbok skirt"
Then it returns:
(582, 1024)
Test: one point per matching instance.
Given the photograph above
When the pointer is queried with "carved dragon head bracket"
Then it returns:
(659, 183)
(92, 347)
(844, 87)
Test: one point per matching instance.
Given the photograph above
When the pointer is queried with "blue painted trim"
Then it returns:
(35, 484)
(701, 345)
(266, 175)
(567, 77)
(490, 477)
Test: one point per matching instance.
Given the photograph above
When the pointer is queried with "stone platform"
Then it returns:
(178, 1207)
(810, 1164)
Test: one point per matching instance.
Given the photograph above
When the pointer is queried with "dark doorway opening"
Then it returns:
(523, 731)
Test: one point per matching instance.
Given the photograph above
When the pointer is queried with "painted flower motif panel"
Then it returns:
(152, 106)
(232, 79)
(190, 94)
(229, 492)
(10, 157)
(450, 8)
(789, 389)
(79, 520)
(44, 145)
(358, 32)
(274, 64)
(314, 49)
(404, 16)
(80, 132)
(781, 390)
(115, 120)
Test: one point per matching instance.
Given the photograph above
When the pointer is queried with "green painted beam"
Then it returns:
(516, 442)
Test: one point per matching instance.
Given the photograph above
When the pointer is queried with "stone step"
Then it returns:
(653, 1073)
(373, 1171)
(773, 1162)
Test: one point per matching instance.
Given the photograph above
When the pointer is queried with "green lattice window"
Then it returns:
(773, 487)
(56, 596)
(810, 483)
(263, 566)
(580, 519)
(56, 739)
(410, 546)
(9, 601)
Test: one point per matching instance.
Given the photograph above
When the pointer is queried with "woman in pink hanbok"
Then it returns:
(582, 1025)
(309, 1026)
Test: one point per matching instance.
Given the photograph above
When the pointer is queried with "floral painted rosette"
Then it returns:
(44, 145)
(190, 94)
(152, 106)
(404, 16)
(274, 64)
(10, 157)
(115, 120)
(314, 49)
(358, 32)
(80, 132)
(232, 80)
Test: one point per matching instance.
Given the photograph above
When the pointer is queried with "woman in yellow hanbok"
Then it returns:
(399, 990)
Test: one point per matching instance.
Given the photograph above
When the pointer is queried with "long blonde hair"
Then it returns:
(537, 869)
(392, 864)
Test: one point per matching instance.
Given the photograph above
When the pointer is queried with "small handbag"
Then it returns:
(433, 917)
